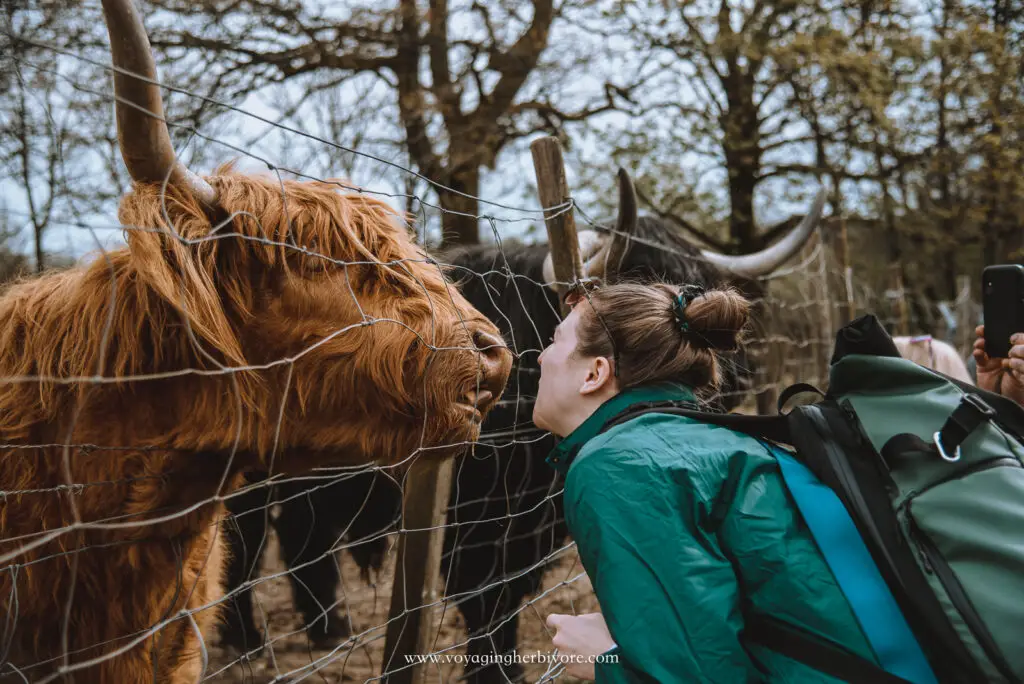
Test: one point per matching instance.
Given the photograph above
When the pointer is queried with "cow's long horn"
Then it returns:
(142, 131)
(607, 262)
(768, 259)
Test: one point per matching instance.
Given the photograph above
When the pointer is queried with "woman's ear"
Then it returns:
(599, 377)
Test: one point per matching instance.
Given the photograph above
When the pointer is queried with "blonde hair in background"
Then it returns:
(935, 354)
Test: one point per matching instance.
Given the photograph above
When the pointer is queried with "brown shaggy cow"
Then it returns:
(136, 389)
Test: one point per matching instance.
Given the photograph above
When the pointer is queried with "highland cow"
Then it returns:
(249, 323)
(505, 499)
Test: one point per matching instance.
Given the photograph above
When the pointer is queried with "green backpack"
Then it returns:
(931, 472)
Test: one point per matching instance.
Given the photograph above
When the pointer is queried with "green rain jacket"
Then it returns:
(684, 527)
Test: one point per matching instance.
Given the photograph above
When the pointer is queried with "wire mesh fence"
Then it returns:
(209, 432)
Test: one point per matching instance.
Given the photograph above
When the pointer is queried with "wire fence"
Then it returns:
(109, 507)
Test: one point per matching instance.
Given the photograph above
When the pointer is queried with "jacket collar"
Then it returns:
(562, 455)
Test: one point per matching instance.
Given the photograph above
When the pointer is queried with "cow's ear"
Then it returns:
(591, 243)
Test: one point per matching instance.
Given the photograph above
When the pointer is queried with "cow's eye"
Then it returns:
(411, 365)
(309, 262)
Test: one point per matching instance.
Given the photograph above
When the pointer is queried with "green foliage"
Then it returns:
(911, 112)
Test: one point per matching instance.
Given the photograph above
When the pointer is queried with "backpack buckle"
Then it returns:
(937, 438)
(971, 412)
(978, 403)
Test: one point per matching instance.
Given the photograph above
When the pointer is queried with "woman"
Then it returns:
(685, 529)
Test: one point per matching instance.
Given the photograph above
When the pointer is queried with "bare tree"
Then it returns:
(36, 169)
(466, 78)
(56, 142)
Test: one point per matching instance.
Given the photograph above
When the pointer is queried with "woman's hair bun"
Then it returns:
(655, 332)
(717, 318)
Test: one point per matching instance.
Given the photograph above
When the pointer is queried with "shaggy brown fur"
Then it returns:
(247, 348)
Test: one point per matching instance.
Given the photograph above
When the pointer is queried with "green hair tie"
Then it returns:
(679, 310)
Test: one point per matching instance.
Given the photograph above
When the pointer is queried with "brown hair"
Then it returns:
(637, 326)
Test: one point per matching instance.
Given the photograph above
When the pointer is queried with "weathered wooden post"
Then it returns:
(897, 292)
(848, 309)
(965, 320)
(558, 213)
(826, 332)
(411, 622)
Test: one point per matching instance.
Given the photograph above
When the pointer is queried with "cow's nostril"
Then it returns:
(487, 343)
(481, 399)
(495, 361)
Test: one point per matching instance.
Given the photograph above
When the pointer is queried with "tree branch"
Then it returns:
(516, 64)
(444, 90)
(705, 47)
(775, 232)
(682, 223)
(412, 105)
(310, 56)
(549, 109)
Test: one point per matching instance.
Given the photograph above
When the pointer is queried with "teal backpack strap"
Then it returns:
(891, 639)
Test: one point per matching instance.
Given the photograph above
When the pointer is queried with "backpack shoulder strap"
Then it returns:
(815, 652)
(856, 573)
(774, 428)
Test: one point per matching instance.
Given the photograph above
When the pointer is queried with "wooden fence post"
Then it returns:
(826, 331)
(559, 220)
(425, 492)
(965, 322)
(848, 308)
(896, 288)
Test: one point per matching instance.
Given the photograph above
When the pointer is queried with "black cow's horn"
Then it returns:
(607, 262)
(769, 259)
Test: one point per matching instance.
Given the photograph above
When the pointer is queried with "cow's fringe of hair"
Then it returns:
(176, 295)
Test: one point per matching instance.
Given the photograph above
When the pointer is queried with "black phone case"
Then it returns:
(1003, 301)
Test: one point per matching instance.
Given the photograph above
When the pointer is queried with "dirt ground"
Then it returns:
(290, 658)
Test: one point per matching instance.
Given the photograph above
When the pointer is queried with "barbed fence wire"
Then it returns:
(798, 315)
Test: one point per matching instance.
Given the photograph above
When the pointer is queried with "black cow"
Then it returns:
(504, 483)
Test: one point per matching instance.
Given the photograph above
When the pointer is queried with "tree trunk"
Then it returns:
(990, 249)
(947, 244)
(741, 145)
(743, 162)
(40, 257)
(1014, 244)
(460, 220)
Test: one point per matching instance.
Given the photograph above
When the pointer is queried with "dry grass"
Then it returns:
(566, 589)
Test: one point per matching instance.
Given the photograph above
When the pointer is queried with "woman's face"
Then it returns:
(566, 380)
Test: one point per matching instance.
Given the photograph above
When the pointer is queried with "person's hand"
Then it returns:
(1004, 376)
(579, 636)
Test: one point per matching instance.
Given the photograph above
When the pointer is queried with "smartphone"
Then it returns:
(1003, 302)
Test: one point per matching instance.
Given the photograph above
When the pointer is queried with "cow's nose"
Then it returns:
(495, 359)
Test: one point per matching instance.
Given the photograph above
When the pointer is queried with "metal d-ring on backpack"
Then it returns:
(912, 484)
